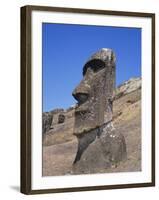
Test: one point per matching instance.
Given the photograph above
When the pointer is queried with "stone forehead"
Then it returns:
(100, 58)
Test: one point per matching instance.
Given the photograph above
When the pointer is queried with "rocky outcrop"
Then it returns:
(46, 120)
(60, 128)
(128, 87)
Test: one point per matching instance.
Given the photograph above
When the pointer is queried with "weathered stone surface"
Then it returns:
(100, 59)
(95, 92)
(104, 152)
(94, 114)
(47, 120)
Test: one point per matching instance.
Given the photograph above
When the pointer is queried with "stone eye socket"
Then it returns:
(95, 65)
(81, 97)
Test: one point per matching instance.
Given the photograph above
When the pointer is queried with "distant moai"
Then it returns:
(94, 114)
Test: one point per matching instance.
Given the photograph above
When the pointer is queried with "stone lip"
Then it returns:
(101, 58)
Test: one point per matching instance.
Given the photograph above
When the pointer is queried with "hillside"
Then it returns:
(60, 146)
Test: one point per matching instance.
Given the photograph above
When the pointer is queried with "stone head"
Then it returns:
(94, 93)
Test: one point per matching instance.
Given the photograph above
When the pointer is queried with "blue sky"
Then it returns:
(67, 47)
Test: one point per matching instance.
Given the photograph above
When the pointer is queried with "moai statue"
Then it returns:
(93, 115)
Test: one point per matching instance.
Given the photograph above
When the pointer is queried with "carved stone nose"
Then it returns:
(81, 92)
(80, 97)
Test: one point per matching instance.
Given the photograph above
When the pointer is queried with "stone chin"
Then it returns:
(82, 125)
